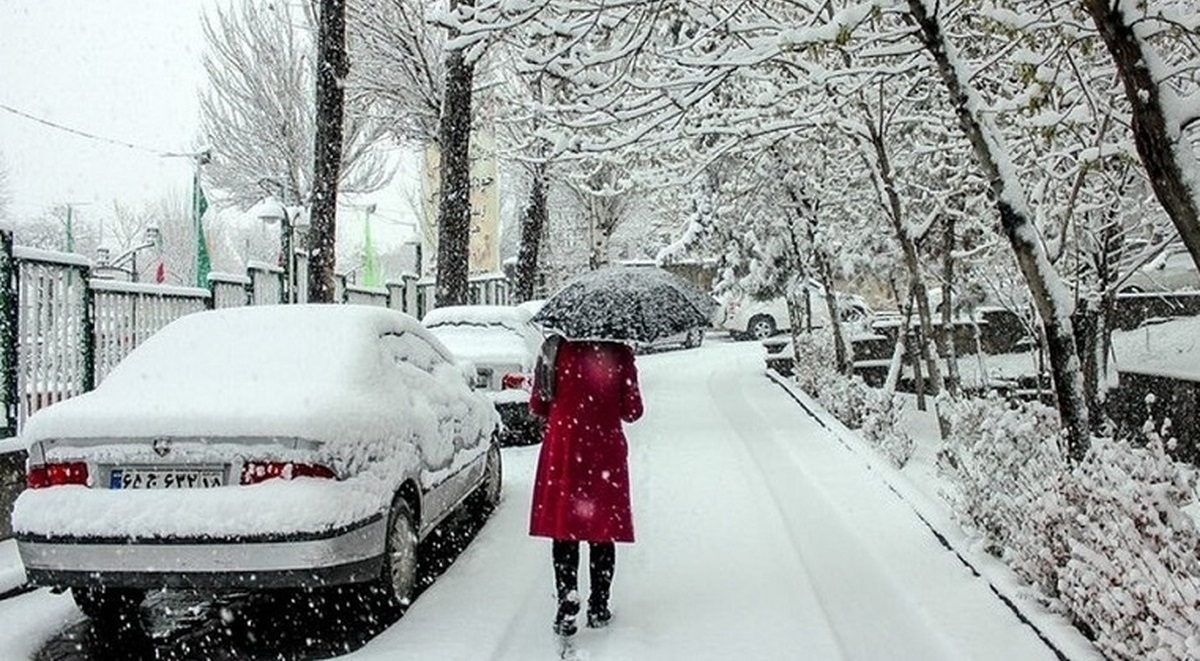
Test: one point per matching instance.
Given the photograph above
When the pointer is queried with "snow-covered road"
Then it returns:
(759, 537)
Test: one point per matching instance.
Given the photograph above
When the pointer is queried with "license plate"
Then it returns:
(166, 478)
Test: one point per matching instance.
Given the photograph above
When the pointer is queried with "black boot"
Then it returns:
(602, 563)
(564, 620)
(566, 583)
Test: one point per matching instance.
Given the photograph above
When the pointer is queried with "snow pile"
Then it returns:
(1107, 541)
(858, 406)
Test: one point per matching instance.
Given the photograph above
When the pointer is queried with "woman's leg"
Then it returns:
(602, 563)
(566, 583)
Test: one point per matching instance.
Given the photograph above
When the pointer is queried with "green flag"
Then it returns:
(370, 260)
(199, 206)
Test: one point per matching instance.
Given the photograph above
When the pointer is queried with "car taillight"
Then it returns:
(512, 381)
(259, 471)
(54, 475)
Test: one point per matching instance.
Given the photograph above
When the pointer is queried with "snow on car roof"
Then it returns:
(330, 343)
(483, 315)
(313, 371)
(484, 344)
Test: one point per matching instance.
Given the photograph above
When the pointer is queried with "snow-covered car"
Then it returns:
(502, 344)
(746, 318)
(259, 447)
(1173, 270)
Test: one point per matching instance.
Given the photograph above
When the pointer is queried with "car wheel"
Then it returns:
(1132, 289)
(487, 495)
(761, 327)
(109, 604)
(399, 580)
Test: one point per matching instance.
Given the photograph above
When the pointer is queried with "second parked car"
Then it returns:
(502, 344)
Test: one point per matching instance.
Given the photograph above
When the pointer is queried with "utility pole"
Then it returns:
(69, 225)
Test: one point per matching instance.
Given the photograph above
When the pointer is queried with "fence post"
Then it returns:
(89, 331)
(211, 303)
(410, 293)
(8, 333)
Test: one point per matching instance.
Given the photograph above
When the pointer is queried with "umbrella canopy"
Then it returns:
(620, 303)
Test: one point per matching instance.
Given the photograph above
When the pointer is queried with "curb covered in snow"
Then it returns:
(1067, 643)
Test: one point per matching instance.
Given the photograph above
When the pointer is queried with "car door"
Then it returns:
(448, 437)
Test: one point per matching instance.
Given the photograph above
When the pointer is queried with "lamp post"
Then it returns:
(291, 220)
(104, 257)
(271, 211)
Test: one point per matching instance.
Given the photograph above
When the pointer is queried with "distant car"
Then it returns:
(1173, 270)
(502, 344)
(746, 318)
(260, 447)
(688, 339)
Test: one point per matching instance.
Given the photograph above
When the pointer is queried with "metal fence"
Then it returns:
(62, 330)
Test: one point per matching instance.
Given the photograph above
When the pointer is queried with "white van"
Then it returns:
(746, 318)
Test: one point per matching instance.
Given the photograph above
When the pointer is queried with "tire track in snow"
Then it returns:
(717, 391)
(842, 576)
(817, 483)
(719, 574)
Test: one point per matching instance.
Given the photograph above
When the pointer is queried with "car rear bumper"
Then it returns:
(351, 554)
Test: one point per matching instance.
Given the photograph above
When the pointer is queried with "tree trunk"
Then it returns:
(1045, 287)
(912, 262)
(947, 337)
(841, 353)
(332, 68)
(600, 231)
(1162, 147)
(533, 223)
(454, 205)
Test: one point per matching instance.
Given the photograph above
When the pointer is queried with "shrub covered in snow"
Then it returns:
(1133, 574)
(858, 406)
(1107, 541)
(881, 424)
(1005, 463)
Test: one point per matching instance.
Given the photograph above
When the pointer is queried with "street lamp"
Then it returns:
(104, 260)
(270, 210)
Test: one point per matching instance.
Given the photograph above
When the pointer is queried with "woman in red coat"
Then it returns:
(581, 491)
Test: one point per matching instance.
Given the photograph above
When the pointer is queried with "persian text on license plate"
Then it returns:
(166, 478)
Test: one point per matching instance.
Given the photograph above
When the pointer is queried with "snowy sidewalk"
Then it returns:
(760, 536)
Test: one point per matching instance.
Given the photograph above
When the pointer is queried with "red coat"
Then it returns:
(581, 490)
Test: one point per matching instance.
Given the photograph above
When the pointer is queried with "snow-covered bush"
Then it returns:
(1005, 462)
(882, 425)
(1106, 542)
(858, 406)
(814, 372)
(1133, 574)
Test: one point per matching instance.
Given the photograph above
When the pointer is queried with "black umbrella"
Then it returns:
(621, 303)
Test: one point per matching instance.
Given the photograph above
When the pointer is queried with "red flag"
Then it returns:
(160, 274)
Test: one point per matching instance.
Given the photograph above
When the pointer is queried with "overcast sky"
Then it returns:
(124, 70)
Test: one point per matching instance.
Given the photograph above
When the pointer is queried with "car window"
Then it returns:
(407, 348)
